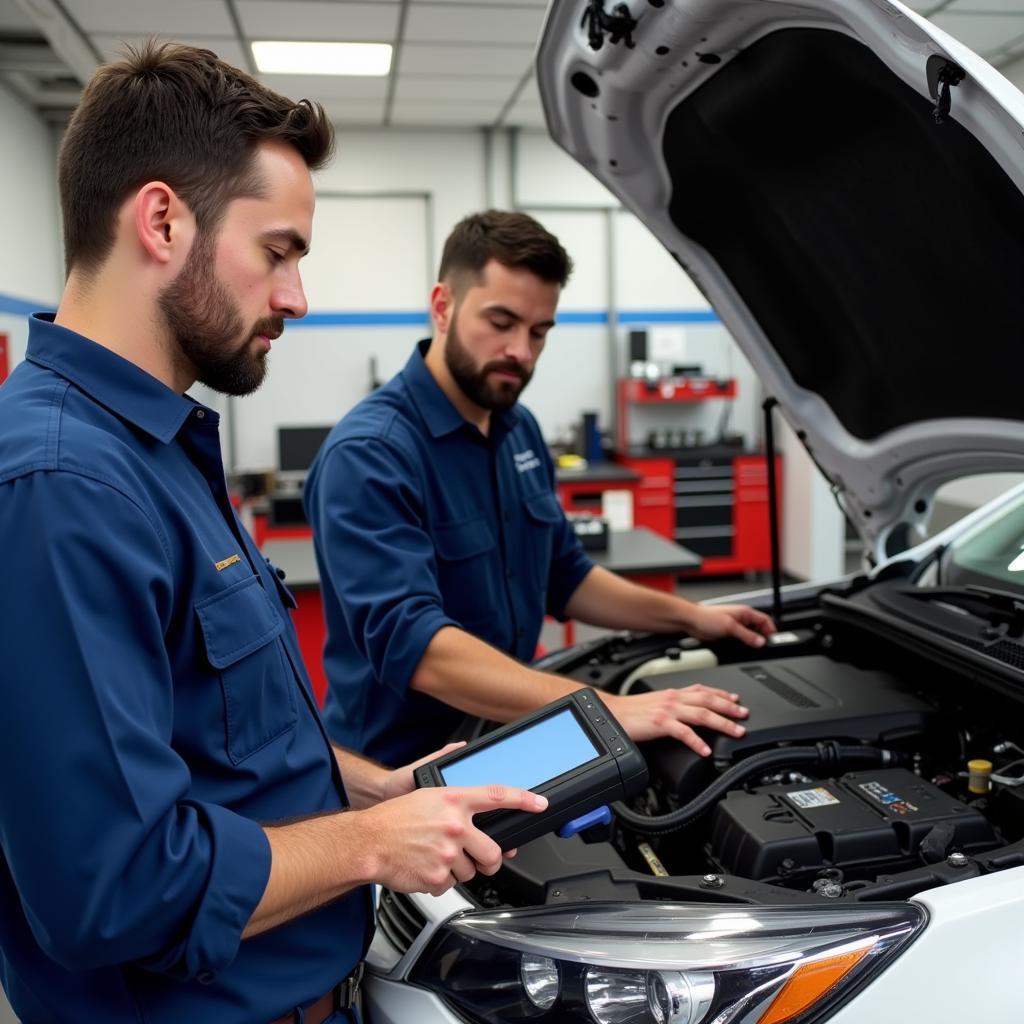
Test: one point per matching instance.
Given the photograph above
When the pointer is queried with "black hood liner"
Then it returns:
(881, 253)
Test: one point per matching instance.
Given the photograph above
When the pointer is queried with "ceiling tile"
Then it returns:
(355, 111)
(991, 6)
(524, 117)
(151, 17)
(328, 87)
(983, 34)
(14, 19)
(227, 49)
(460, 23)
(457, 115)
(530, 93)
(484, 3)
(491, 87)
(464, 60)
(309, 20)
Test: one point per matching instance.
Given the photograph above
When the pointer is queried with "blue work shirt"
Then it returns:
(155, 712)
(422, 522)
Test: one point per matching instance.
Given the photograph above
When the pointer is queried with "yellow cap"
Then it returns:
(978, 772)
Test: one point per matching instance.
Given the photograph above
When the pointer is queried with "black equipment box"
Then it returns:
(592, 531)
(863, 818)
(572, 751)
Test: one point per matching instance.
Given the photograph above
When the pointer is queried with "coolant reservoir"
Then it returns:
(978, 775)
(676, 661)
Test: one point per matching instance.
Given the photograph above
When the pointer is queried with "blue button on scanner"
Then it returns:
(598, 816)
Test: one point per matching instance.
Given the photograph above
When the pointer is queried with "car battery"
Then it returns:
(864, 818)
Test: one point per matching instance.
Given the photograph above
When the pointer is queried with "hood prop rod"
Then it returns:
(773, 509)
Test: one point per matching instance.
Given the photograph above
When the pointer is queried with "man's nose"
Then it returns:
(517, 345)
(289, 298)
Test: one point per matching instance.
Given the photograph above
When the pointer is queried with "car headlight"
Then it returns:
(660, 963)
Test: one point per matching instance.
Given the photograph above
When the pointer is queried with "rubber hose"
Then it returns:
(827, 754)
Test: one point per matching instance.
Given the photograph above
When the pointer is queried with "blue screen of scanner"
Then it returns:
(527, 758)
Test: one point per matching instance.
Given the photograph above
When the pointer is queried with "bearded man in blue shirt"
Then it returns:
(177, 842)
(440, 541)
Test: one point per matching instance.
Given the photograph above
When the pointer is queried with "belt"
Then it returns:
(342, 996)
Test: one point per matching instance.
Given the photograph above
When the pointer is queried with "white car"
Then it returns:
(844, 182)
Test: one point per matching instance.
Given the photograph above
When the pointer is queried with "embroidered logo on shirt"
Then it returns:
(525, 461)
(225, 562)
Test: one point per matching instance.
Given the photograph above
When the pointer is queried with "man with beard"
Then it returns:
(439, 538)
(176, 840)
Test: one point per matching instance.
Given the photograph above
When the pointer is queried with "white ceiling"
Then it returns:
(457, 62)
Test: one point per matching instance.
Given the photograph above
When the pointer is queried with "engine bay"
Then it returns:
(850, 783)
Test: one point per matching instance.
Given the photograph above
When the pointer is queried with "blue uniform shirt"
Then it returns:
(421, 522)
(155, 711)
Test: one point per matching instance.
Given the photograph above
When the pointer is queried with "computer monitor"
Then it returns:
(297, 447)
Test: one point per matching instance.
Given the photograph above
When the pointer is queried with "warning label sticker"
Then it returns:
(819, 797)
(892, 803)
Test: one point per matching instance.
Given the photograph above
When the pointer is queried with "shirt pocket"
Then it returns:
(468, 570)
(542, 514)
(240, 628)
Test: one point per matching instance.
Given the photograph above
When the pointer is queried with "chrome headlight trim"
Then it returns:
(673, 936)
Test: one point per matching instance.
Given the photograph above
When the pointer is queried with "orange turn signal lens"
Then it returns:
(809, 982)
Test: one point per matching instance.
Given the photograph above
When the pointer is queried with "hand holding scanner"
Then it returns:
(572, 751)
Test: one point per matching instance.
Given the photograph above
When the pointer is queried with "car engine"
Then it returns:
(850, 783)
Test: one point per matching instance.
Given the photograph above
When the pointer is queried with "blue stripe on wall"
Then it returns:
(20, 307)
(419, 318)
(595, 317)
(399, 319)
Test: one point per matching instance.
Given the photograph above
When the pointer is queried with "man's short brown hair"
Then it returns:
(513, 239)
(176, 114)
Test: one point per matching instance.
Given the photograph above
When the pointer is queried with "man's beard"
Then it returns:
(204, 321)
(476, 384)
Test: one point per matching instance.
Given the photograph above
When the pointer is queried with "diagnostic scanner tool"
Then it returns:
(572, 751)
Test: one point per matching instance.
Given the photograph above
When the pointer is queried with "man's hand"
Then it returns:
(717, 621)
(425, 841)
(401, 781)
(648, 716)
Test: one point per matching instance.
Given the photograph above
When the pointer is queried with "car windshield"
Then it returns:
(991, 553)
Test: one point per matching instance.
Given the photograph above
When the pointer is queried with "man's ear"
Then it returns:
(442, 306)
(163, 223)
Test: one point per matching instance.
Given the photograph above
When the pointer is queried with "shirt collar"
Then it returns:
(114, 382)
(440, 416)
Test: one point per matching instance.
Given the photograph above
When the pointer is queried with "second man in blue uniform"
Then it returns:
(441, 544)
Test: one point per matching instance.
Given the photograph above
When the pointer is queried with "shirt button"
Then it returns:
(206, 977)
(200, 415)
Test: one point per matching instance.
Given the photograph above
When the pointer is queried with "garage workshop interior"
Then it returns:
(533, 532)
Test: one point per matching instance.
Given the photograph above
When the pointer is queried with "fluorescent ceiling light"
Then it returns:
(281, 58)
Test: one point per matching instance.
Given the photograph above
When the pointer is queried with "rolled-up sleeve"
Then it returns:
(380, 559)
(114, 859)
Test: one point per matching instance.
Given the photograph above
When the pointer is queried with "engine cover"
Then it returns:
(863, 819)
(791, 700)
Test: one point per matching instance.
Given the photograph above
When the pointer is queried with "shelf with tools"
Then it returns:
(709, 497)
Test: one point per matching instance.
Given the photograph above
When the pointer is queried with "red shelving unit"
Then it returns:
(668, 391)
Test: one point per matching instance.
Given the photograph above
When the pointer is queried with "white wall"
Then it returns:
(30, 270)
(384, 208)
(378, 253)
(30, 257)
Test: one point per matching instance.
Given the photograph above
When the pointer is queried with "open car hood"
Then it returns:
(864, 246)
